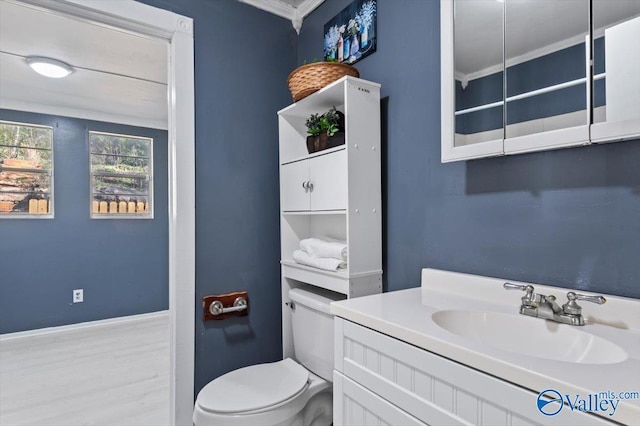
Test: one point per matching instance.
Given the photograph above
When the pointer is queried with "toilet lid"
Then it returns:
(254, 387)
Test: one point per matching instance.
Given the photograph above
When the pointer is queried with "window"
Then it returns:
(121, 176)
(26, 170)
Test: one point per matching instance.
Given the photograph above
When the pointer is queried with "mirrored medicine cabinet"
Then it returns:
(530, 75)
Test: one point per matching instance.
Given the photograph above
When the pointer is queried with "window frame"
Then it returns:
(150, 176)
(51, 213)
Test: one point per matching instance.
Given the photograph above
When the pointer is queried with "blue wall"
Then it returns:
(561, 217)
(121, 264)
(569, 218)
(242, 59)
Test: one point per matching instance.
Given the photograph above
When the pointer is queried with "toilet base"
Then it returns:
(319, 410)
(313, 406)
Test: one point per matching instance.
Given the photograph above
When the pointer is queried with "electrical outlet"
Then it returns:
(78, 295)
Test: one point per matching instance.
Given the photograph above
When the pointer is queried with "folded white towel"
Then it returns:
(324, 247)
(326, 263)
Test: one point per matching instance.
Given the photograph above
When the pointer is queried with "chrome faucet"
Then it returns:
(537, 305)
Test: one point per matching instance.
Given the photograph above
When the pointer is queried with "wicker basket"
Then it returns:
(310, 78)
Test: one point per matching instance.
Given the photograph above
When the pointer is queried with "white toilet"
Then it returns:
(284, 393)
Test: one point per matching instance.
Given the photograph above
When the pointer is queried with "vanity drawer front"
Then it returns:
(434, 389)
(355, 405)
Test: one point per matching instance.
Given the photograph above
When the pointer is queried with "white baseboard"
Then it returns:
(82, 325)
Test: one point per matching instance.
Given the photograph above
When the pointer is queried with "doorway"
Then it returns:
(130, 16)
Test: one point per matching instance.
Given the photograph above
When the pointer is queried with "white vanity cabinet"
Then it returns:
(332, 193)
(382, 380)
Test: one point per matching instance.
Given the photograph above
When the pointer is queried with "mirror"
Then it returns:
(478, 65)
(546, 49)
(571, 75)
(616, 60)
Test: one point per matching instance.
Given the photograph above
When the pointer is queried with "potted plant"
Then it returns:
(325, 131)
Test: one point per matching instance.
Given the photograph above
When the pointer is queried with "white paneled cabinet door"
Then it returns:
(355, 405)
(294, 181)
(328, 176)
(389, 377)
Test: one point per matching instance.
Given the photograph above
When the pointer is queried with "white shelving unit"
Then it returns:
(332, 193)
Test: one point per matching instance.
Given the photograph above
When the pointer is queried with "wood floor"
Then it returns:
(114, 374)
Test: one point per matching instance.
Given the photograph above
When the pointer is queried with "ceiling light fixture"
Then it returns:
(49, 67)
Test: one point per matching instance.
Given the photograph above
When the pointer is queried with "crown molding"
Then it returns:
(83, 113)
(284, 10)
(308, 6)
(274, 6)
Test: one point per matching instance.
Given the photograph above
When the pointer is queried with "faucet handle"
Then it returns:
(594, 299)
(528, 299)
(572, 307)
(510, 286)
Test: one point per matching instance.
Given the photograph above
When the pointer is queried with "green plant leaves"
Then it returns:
(325, 123)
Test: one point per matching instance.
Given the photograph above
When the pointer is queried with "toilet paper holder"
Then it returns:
(216, 308)
(225, 305)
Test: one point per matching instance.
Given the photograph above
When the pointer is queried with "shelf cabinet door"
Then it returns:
(328, 174)
(293, 177)
(319, 183)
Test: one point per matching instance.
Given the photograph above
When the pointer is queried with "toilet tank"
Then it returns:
(313, 330)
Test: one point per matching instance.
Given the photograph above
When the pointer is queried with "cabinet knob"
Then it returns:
(304, 185)
(310, 185)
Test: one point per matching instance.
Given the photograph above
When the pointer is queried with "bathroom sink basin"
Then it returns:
(530, 336)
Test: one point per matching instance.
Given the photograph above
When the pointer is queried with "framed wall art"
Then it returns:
(351, 34)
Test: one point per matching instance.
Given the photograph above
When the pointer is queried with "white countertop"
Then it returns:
(407, 316)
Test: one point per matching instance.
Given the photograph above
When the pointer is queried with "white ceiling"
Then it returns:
(530, 28)
(119, 76)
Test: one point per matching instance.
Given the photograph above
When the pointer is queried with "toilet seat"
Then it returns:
(284, 393)
(253, 388)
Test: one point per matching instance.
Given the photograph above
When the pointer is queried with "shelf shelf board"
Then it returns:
(315, 154)
(334, 281)
(341, 273)
(325, 98)
(315, 212)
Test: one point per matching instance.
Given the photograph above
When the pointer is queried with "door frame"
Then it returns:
(129, 15)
